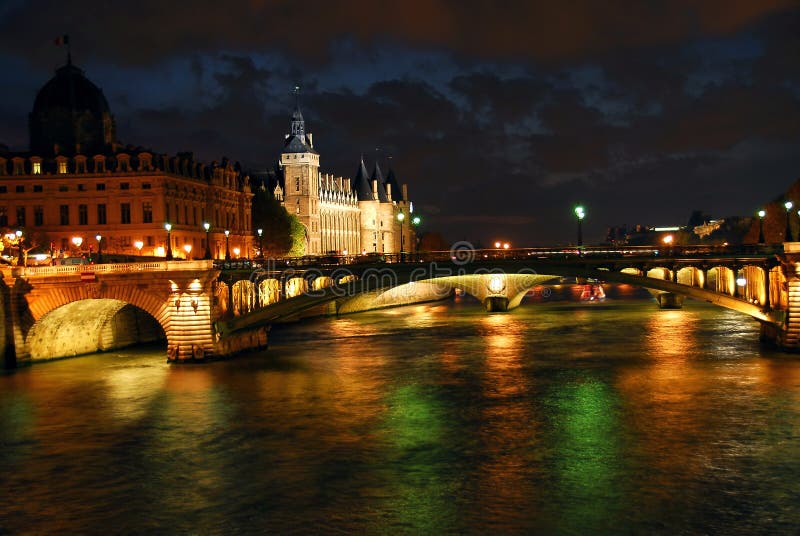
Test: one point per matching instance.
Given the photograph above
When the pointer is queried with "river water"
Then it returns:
(559, 417)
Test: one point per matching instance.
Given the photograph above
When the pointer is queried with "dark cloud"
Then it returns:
(542, 31)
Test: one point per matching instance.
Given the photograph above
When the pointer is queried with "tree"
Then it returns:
(283, 234)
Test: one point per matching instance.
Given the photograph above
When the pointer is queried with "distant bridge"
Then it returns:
(210, 309)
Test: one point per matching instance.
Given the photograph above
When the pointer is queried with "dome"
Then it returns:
(70, 115)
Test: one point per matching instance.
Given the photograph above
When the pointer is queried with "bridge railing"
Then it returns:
(470, 254)
(71, 269)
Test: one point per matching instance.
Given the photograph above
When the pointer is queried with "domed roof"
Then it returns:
(69, 89)
(70, 115)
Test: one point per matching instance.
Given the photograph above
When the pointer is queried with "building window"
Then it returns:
(124, 186)
(63, 188)
(37, 168)
(20, 189)
(147, 212)
(38, 215)
(83, 214)
(145, 186)
(101, 214)
(3, 189)
(297, 184)
(100, 186)
(185, 214)
(150, 241)
(64, 214)
(62, 167)
(21, 216)
(64, 244)
(19, 168)
(125, 212)
(38, 188)
(3, 217)
(81, 187)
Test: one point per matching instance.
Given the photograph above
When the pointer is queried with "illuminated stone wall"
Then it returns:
(88, 326)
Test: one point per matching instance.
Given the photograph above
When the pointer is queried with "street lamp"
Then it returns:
(168, 227)
(580, 213)
(227, 244)
(99, 239)
(788, 235)
(260, 243)
(400, 218)
(761, 214)
(188, 249)
(21, 257)
(207, 255)
(138, 245)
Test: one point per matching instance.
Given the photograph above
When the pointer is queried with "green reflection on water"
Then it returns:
(587, 452)
(420, 479)
(17, 420)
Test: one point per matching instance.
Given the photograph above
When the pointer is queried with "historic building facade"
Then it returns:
(77, 184)
(368, 214)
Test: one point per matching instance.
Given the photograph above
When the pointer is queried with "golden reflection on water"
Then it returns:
(131, 389)
(504, 477)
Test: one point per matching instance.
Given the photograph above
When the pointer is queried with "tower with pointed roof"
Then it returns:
(300, 164)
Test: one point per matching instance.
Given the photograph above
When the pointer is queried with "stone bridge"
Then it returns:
(204, 310)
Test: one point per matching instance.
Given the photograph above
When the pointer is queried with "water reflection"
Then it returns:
(553, 418)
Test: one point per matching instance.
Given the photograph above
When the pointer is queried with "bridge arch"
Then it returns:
(91, 325)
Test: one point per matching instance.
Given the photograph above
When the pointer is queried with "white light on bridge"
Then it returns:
(497, 283)
(741, 281)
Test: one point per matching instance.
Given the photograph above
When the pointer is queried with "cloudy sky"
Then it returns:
(500, 116)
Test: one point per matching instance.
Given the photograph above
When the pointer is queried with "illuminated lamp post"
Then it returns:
(580, 213)
(761, 214)
(400, 218)
(236, 252)
(20, 245)
(138, 245)
(168, 227)
(788, 235)
(99, 239)
(227, 245)
(188, 249)
(207, 227)
(497, 244)
(260, 243)
(415, 221)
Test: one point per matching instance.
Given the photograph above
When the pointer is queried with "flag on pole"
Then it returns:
(62, 40)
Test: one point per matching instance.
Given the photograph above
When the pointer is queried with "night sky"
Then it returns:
(499, 116)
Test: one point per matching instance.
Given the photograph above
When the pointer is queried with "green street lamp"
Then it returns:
(416, 220)
(788, 235)
(761, 214)
(207, 255)
(227, 245)
(260, 243)
(168, 227)
(580, 213)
